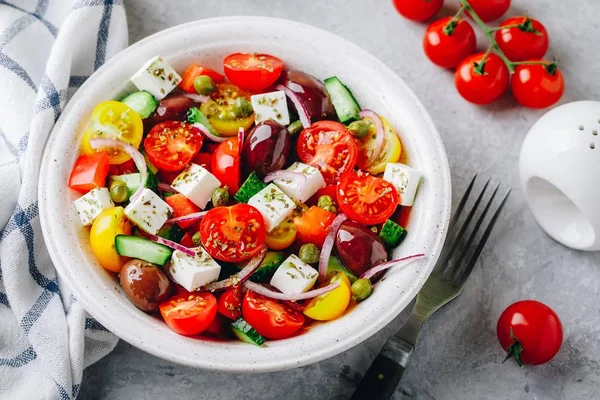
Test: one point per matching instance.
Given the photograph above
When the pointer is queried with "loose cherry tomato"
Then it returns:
(365, 198)
(330, 147)
(89, 172)
(171, 145)
(418, 10)
(221, 110)
(537, 86)
(189, 314)
(233, 234)
(481, 83)
(490, 10)
(270, 318)
(252, 71)
(182, 206)
(230, 303)
(447, 47)
(313, 225)
(530, 332)
(528, 39)
(204, 160)
(225, 165)
(194, 71)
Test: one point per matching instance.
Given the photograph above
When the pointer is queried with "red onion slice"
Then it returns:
(197, 98)
(208, 135)
(260, 289)
(238, 278)
(302, 112)
(240, 140)
(298, 177)
(328, 244)
(187, 218)
(174, 245)
(165, 187)
(380, 135)
(138, 158)
(386, 265)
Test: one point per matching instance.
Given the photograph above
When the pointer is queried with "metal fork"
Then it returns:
(444, 284)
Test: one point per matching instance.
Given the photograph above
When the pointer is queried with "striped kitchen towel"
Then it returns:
(47, 50)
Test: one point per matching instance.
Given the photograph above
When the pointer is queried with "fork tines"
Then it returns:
(465, 239)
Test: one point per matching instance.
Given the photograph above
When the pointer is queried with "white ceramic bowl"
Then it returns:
(302, 47)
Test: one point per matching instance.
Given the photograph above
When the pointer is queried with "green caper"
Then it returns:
(242, 108)
(295, 127)
(118, 191)
(220, 197)
(309, 253)
(359, 129)
(361, 289)
(204, 85)
(326, 203)
(196, 239)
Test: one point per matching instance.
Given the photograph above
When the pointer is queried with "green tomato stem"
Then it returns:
(451, 25)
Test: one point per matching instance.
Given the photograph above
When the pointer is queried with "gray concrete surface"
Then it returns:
(458, 356)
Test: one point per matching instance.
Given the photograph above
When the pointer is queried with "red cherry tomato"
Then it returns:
(329, 190)
(251, 71)
(313, 225)
(225, 164)
(490, 10)
(448, 48)
(194, 71)
(418, 10)
(187, 240)
(204, 160)
(481, 84)
(530, 332)
(171, 145)
(330, 147)
(233, 234)
(529, 39)
(366, 199)
(270, 318)
(537, 86)
(89, 172)
(189, 314)
(230, 303)
(128, 167)
(182, 206)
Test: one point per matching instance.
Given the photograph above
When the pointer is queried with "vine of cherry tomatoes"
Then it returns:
(514, 57)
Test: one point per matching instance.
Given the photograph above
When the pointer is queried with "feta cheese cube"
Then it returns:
(194, 272)
(405, 179)
(157, 77)
(314, 182)
(294, 276)
(148, 211)
(91, 204)
(197, 184)
(273, 204)
(272, 105)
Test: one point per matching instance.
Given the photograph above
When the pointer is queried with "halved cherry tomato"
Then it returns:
(366, 199)
(171, 145)
(182, 206)
(233, 234)
(114, 120)
(230, 303)
(313, 225)
(106, 227)
(204, 160)
(330, 305)
(189, 314)
(270, 318)
(252, 71)
(194, 71)
(282, 236)
(89, 172)
(328, 146)
(219, 328)
(186, 240)
(220, 110)
(225, 165)
(392, 149)
(128, 167)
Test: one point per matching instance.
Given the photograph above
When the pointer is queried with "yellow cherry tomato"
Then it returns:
(114, 120)
(223, 113)
(282, 236)
(392, 149)
(330, 305)
(106, 227)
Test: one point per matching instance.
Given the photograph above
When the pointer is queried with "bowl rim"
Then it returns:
(58, 257)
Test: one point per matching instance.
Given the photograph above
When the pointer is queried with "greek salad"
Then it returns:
(246, 204)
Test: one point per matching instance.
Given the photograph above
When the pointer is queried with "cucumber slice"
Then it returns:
(151, 167)
(246, 333)
(392, 234)
(195, 116)
(346, 107)
(141, 102)
(268, 266)
(133, 181)
(249, 188)
(335, 265)
(171, 232)
(144, 249)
